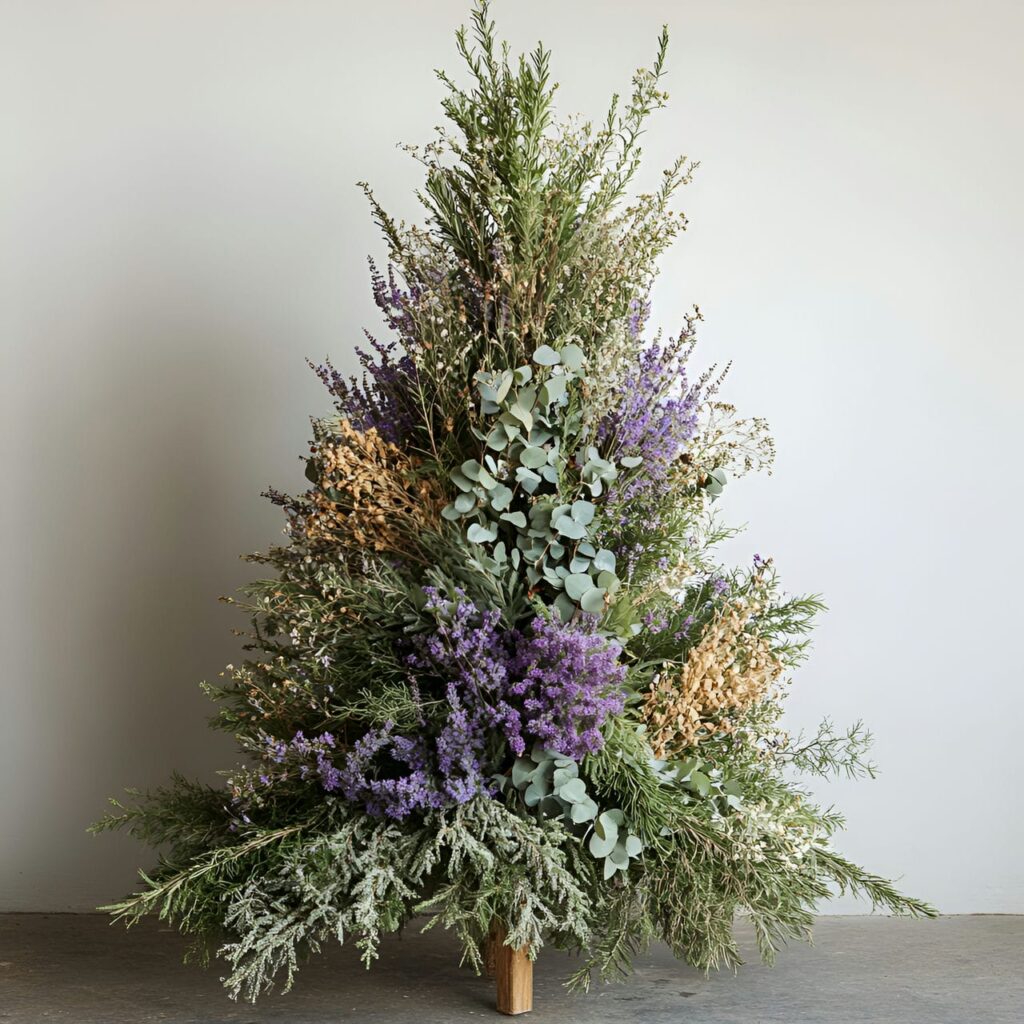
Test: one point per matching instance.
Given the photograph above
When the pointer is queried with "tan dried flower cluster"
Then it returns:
(731, 668)
(370, 494)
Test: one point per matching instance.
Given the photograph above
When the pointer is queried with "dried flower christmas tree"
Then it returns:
(497, 673)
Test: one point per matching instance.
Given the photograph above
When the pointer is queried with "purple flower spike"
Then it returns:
(655, 417)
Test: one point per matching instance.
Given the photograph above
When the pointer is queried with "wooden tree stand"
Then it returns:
(512, 970)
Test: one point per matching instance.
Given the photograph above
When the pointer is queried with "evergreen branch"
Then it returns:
(880, 891)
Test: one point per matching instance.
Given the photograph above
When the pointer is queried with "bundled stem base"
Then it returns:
(513, 973)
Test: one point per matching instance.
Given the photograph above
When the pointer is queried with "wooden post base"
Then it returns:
(513, 972)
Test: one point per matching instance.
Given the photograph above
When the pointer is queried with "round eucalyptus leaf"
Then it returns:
(583, 512)
(503, 387)
(533, 458)
(553, 390)
(546, 356)
(538, 755)
(565, 607)
(524, 416)
(577, 584)
(585, 810)
(574, 791)
(600, 846)
(463, 482)
(618, 856)
(569, 527)
(534, 794)
(501, 497)
(527, 479)
(478, 534)
(573, 357)
(606, 827)
(497, 438)
(522, 772)
(465, 502)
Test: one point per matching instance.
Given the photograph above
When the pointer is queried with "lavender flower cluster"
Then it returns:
(553, 683)
(396, 303)
(389, 775)
(567, 683)
(655, 417)
(385, 397)
(308, 755)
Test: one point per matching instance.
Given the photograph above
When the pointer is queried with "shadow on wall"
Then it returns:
(142, 489)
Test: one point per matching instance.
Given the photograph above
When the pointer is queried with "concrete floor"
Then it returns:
(951, 971)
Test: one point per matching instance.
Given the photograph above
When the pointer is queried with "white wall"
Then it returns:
(180, 228)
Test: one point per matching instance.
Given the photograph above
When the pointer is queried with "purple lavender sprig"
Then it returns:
(396, 304)
(555, 682)
(384, 399)
(391, 776)
(569, 681)
(654, 418)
